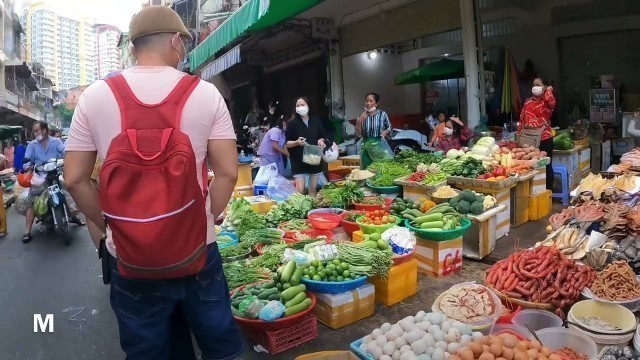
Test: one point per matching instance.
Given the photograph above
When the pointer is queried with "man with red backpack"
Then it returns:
(155, 127)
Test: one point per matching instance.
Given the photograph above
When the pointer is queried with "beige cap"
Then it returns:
(156, 19)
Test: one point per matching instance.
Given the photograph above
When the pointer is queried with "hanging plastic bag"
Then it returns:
(312, 154)
(378, 150)
(265, 173)
(272, 311)
(23, 203)
(41, 204)
(279, 188)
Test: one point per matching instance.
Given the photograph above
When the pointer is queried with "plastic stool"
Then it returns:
(259, 190)
(564, 177)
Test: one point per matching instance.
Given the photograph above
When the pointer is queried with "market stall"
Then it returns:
(365, 238)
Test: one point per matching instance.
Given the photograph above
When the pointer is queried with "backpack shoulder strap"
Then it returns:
(123, 94)
(184, 89)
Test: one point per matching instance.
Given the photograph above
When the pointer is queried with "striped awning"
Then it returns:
(221, 64)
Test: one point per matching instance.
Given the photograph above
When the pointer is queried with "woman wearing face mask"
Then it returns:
(438, 130)
(372, 124)
(303, 129)
(455, 135)
(534, 127)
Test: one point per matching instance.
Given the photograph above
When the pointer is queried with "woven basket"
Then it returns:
(522, 303)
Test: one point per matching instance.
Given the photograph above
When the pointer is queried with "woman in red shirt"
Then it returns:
(536, 114)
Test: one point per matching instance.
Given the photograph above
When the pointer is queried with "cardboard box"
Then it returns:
(438, 258)
(401, 283)
(240, 192)
(329, 355)
(520, 203)
(339, 310)
(539, 181)
(260, 204)
(585, 160)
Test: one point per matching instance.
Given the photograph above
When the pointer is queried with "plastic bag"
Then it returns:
(301, 258)
(272, 311)
(23, 203)
(498, 309)
(312, 154)
(401, 240)
(250, 307)
(265, 173)
(378, 150)
(41, 204)
(279, 188)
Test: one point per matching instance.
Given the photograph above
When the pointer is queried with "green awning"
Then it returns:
(253, 15)
(438, 70)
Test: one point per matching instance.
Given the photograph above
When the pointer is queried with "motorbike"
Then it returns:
(409, 140)
(58, 215)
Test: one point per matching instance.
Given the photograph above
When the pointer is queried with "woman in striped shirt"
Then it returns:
(372, 125)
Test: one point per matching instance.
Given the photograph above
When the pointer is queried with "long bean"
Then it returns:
(364, 260)
(238, 274)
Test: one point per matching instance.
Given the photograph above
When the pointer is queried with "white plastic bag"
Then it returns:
(279, 188)
(265, 173)
(23, 203)
(402, 240)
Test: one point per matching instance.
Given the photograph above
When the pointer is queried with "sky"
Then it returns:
(112, 12)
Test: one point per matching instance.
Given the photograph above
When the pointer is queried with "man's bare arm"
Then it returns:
(78, 166)
(223, 158)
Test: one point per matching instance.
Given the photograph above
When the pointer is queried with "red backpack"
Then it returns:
(149, 189)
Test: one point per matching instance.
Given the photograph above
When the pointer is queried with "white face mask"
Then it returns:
(272, 111)
(371, 109)
(537, 90)
(448, 131)
(302, 110)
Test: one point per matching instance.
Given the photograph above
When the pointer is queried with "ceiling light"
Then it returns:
(445, 55)
(372, 55)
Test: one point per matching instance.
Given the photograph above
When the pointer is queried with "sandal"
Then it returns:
(26, 238)
(78, 221)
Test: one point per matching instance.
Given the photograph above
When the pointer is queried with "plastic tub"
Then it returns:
(290, 233)
(537, 319)
(372, 207)
(300, 235)
(600, 339)
(333, 287)
(557, 338)
(350, 227)
(518, 331)
(337, 211)
(234, 240)
(324, 220)
(441, 235)
(614, 314)
(511, 311)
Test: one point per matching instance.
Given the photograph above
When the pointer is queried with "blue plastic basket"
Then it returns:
(259, 190)
(326, 287)
(245, 159)
(355, 348)
(231, 235)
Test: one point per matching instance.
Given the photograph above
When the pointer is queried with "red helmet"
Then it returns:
(24, 179)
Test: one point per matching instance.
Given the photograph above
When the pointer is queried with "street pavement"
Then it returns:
(47, 277)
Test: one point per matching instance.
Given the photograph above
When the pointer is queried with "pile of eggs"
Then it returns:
(504, 347)
(426, 336)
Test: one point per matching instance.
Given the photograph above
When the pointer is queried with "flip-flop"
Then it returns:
(78, 222)
(26, 238)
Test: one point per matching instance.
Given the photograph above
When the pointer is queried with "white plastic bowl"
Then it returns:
(557, 338)
(537, 319)
(614, 314)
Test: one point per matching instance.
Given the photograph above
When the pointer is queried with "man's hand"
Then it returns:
(384, 133)
(321, 143)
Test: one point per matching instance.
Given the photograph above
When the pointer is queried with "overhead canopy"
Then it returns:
(222, 63)
(7, 131)
(438, 70)
(253, 15)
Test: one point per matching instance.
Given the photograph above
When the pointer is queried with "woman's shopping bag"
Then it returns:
(312, 154)
(265, 173)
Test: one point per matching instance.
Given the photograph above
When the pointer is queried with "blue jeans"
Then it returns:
(156, 317)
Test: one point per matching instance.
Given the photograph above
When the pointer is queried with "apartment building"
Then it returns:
(108, 60)
(66, 47)
(146, 3)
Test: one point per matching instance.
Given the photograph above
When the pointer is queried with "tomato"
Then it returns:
(377, 222)
(384, 221)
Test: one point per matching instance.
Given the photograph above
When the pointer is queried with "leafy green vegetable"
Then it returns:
(233, 250)
(238, 274)
(470, 168)
(241, 218)
(333, 196)
(563, 142)
(295, 207)
(411, 159)
(387, 172)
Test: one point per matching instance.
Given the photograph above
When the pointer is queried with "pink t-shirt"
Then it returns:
(96, 119)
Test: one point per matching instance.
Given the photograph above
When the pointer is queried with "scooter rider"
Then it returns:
(38, 152)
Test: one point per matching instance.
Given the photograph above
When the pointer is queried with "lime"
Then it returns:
(331, 267)
(312, 269)
(305, 271)
(332, 278)
(340, 279)
(317, 278)
(311, 273)
(320, 267)
(336, 262)
(344, 266)
(335, 272)
(374, 237)
(346, 273)
(315, 263)
(306, 277)
(321, 273)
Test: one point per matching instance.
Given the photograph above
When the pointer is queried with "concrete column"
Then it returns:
(470, 54)
(335, 79)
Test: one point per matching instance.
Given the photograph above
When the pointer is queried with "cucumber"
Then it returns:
(246, 292)
(296, 300)
(275, 296)
(266, 293)
(288, 271)
(235, 303)
(429, 218)
(432, 225)
(291, 292)
(255, 291)
(297, 276)
(279, 286)
(304, 305)
(236, 312)
(269, 285)
(285, 286)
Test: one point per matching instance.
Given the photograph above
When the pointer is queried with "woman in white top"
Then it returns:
(634, 127)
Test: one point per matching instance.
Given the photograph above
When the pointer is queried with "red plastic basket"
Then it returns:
(324, 220)
(259, 247)
(372, 207)
(350, 226)
(275, 342)
(289, 233)
(312, 233)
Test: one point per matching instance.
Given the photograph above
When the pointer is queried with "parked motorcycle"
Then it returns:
(57, 215)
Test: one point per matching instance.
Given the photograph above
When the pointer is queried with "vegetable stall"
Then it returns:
(359, 242)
